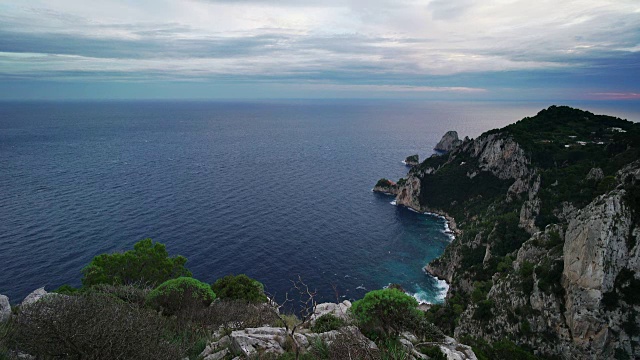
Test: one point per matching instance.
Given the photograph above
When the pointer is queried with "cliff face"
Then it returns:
(448, 142)
(571, 290)
(600, 248)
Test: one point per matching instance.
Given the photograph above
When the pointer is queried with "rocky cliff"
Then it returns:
(565, 291)
(448, 142)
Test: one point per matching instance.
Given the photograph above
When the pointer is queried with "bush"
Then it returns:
(348, 345)
(128, 293)
(181, 293)
(386, 311)
(239, 287)
(483, 311)
(327, 322)
(93, 326)
(230, 315)
(66, 290)
(148, 263)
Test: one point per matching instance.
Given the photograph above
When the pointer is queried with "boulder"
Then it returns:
(5, 309)
(337, 310)
(266, 339)
(34, 296)
(595, 174)
(448, 142)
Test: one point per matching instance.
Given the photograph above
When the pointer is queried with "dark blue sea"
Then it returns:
(271, 189)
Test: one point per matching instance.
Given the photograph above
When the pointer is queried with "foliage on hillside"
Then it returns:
(148, 263)
(239, 287)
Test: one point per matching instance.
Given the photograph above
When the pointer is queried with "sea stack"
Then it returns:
(413, 160)
(448, 142)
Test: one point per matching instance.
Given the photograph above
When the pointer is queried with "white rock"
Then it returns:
(337, 310)
(34, 296)
(5, 308)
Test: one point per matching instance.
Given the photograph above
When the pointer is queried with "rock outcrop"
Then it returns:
(34, 296)
(596, 252)
(413, 160)
(386, 186)
(337, 310)
(408, 193)
(448, 142)
(5, 309)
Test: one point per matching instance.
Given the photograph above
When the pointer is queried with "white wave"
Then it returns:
(404, 162)
(361, 287)
(394, 203)
(421, 297)
(443, 289)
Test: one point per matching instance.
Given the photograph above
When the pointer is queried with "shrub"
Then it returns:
(176, 294)
(128, 293)
(93, 326)
(66, 290)
(388, 311)
(239, 287)
(483, 311)
(351, 345)
(426, 330)
(230, 315)
(327, 322)
(148, 263)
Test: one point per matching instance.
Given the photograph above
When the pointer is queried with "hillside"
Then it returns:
(546, 210)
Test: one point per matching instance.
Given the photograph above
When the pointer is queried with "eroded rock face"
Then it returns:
(448, 142)
(595, 174)
(5, 308)
(34, 296)
(503, 157)
(596, 250)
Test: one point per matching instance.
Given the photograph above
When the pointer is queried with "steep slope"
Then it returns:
(562, 292)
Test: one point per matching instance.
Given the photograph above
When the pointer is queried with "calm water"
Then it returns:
(272, 189)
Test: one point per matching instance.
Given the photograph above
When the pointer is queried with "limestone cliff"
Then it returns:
(448, 142)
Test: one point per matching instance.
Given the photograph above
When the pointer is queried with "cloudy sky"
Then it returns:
(431, 49)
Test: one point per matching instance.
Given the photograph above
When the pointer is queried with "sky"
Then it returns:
(254, 49)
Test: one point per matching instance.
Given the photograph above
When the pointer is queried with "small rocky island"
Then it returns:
(412, 160)
(448, 142)
(546, 261)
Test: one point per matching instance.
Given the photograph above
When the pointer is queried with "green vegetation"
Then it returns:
(176, 294)
(412, 159)
(385, 312)
(625, 289)
(551, 141)
(93, 326)
(326, 323)
(239, 287)
(384, 183)
(500, 350)
(147, 264)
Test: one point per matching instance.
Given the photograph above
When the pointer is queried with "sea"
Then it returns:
(279, 190)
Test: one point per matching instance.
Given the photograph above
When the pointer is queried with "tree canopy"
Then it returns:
(148, 264)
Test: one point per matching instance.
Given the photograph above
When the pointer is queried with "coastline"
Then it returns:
(450, 228)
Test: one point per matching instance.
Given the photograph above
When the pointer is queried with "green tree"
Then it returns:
(239, 287)
(388, 311)
(181, 293)
(147, 264)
